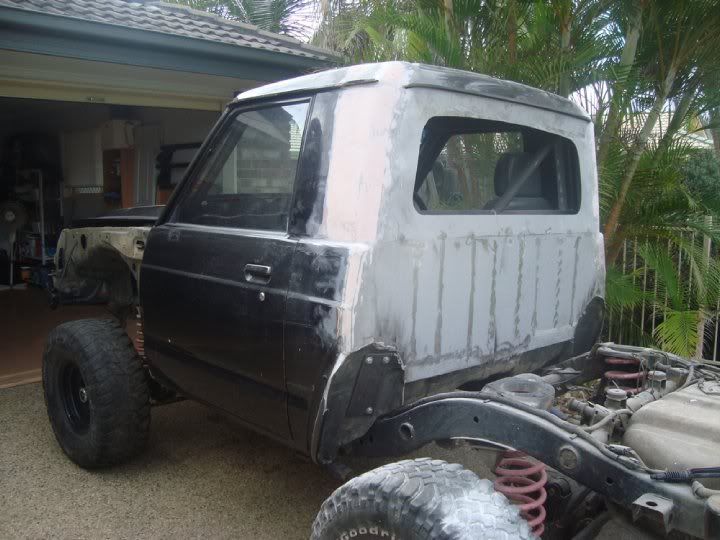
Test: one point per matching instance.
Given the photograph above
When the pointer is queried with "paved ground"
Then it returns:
(202, 476)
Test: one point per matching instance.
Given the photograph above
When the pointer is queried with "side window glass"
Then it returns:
(476, 166)
(248, 182)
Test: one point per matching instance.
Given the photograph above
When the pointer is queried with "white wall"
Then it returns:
(178, 126)
(52, 77)
(161, 127)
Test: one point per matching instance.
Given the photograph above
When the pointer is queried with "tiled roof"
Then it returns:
(172, 19)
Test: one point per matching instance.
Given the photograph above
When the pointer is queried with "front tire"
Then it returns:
(96, 393)
(419, 499)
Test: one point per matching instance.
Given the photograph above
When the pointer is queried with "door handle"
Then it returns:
(257, 273)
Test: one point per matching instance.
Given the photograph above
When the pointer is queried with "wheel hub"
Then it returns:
(75, 398)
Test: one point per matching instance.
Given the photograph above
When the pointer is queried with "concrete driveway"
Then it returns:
(202, 476)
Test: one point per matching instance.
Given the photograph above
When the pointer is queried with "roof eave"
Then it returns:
(42, 33)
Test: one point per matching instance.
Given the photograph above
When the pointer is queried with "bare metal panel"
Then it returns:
(451, 291)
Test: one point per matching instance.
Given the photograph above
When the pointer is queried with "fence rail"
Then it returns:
(637, 325)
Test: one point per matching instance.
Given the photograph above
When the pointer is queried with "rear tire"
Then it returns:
(419, 499)
(96, 393)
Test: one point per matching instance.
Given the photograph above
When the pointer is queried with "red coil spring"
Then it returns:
(523, 482)
(628, 376)
(139, 334)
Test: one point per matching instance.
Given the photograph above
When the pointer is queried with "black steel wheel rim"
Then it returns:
(76, 401)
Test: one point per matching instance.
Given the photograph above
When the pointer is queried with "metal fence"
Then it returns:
(636, 325)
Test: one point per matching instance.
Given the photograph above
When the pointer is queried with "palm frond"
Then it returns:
(678, 332)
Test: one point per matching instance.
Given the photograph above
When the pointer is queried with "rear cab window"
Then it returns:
(471, 166)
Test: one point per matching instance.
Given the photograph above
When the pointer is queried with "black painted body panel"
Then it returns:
(136, 216)
(264, 362)
(311, 330)
(207, 329)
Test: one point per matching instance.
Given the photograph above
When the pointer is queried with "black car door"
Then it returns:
(215, 274)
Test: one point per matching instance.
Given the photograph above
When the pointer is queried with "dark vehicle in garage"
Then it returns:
(369, 259)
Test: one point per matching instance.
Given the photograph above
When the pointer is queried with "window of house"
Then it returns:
(248, 182)
(482, 166)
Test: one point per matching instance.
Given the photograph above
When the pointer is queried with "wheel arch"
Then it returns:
(106, 264)
(100, 274)
(361, 387)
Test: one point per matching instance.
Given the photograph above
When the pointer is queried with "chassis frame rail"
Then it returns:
(480, 417)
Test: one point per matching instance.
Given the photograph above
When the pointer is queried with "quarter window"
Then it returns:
(248, 182)
(482, 166)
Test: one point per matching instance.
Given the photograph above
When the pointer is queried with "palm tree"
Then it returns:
(296, 18)
(677, 51)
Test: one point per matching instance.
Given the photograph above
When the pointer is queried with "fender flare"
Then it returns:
(363, 386)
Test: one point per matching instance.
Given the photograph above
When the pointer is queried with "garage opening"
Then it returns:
(62, 162)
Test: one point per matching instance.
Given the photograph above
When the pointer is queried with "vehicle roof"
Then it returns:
(136, 216)
(411, 75)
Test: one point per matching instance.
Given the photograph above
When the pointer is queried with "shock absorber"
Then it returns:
(523, 482)
(626, 374)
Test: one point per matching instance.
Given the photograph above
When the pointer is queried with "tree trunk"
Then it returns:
(678, 117)
(702, 320)
(627, 59)
(448, 5)
(633, 158)
(512, 31)
(565, 23)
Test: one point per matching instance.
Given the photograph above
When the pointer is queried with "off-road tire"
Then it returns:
(419, 499)
(95, 360)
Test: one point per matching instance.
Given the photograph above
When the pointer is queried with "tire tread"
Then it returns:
(426, 499)
(117, 383)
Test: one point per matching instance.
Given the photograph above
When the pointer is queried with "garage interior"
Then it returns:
(61, 162)
(103, 103)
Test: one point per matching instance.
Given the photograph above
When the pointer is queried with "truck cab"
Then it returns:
(441, 221)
